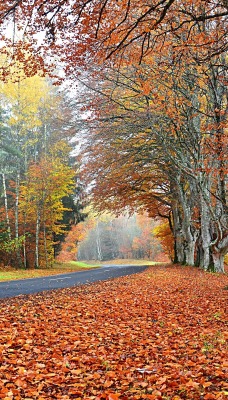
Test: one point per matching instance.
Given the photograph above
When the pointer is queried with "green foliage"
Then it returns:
(12, 245)
(39, 182)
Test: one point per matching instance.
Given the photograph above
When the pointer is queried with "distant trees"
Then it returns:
(38, 174)
(107, 238)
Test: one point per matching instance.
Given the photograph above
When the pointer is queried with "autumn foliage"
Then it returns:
(161, 334)
(107, 237)
(156, 124)
(35, 171)
(159, 143)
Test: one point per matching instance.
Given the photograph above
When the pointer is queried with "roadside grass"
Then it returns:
(122, 261)
(8, 273)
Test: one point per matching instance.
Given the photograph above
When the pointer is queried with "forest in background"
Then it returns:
(107, 237)
(38, 173)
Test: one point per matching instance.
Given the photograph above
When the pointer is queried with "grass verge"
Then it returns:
(121, 261)
(58, 268)
(8, 274)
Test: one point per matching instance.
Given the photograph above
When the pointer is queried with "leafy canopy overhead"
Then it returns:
(76, 31)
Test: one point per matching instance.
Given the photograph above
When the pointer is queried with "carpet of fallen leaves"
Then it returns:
(160, 334)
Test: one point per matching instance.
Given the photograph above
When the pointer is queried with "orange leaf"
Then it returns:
(113, 396)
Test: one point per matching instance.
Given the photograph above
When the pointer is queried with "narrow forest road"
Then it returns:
(35, 285)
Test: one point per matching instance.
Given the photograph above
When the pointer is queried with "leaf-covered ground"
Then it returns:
(161, 334)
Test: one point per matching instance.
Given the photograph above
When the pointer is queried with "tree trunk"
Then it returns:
(98, 243)
(37, 239)
(24, 254)
(218, 260)
(17, 206)
(205, 234)
(188, 230)
(190, 252)
(6, 206)
(45, 246)
(218, 253)
(19, 260)
(178, 237)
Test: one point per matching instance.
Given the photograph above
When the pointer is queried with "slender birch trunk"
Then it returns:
(6, 206)
(17, 206)
(98, 243)
(37, 239)
(24, 242)
(24, 254)
(17, 190)
(45, 245)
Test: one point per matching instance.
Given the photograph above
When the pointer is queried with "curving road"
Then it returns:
(36, 285)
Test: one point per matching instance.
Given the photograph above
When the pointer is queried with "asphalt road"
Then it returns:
(36, 285)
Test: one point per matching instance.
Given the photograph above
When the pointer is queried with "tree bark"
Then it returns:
(6, 206)
(205, 233)
(178, 236)
(37, 239)
(98, 243)
(218, 254)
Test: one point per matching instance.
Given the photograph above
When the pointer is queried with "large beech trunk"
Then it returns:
(188, 229)
(205, 234)
(190, 251)
(177, 233)
(184, 232)
(218, 253)
(218, 259)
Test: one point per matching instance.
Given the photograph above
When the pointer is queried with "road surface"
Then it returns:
(36, 285)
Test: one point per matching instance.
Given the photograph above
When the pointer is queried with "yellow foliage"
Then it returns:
(46, 183)
(226, 259)
(164, 233)
(25, 98)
